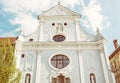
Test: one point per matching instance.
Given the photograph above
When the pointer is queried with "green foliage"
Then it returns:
(8, 71)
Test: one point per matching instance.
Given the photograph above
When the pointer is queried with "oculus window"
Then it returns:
(59, 61)
(58, 38)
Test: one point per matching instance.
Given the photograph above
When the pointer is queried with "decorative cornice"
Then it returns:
(62, 45)
(101, 50)
(58, 17)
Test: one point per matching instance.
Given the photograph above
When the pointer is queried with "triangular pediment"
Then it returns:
(60, 10)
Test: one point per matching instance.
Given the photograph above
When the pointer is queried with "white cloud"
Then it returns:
(27, 22)
(93, 15)
(16, 6)
(70, 2)
(24, 11)
(7, 34)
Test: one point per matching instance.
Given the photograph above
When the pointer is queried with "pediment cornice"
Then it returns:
(59, 10)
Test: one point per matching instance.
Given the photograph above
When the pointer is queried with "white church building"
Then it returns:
(61, 51)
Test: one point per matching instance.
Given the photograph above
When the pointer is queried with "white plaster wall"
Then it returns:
(73, 67)
(92, 64)
(69, 30)
(32, 71)
(91, 58)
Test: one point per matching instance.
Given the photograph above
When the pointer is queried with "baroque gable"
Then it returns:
(60, 10)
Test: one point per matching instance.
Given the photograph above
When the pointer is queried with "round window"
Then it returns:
(59, 61)
(58, 38)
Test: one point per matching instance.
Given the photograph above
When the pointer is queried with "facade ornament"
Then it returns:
(98, 30)
(29, 60)
(100, 50)
(59, 2)
(91, 69)
(53, 74)
(38, 51)
(99, 35)
(59, 28)
(21, 35)
(21, 32)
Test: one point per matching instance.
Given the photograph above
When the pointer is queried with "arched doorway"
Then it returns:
(60, 79)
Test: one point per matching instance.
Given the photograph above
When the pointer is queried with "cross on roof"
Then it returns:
(59, 2)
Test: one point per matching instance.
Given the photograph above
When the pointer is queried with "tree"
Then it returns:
(8, 71)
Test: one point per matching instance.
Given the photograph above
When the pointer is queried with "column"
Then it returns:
(104, 66)
(38, 68)
(81, 68)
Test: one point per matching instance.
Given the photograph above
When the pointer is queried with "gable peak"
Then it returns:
(59, 10)
(58, 2)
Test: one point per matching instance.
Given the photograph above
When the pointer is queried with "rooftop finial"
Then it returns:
(20, 31)
(98, 30)
(59, 2)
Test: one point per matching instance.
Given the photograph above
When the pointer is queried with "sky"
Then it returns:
(16, 15)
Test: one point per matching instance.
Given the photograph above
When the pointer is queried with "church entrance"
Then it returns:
(61, 79)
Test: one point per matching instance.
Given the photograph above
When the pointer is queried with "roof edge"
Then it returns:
(114, 53)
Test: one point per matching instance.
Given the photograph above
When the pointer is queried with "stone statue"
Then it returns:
(59, 28)
(29, 60)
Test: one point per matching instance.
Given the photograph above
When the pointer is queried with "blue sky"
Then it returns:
(22, 15)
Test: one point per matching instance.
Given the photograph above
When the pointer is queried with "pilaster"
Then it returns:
(81, 68)
(77, 24)
(38, 69)
(104, 66)
(41, 25)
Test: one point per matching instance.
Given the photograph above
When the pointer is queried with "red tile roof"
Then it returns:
(114, 53)
(12, 39)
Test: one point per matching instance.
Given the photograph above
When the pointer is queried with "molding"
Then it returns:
(38, 67)
(61, 45)
(101, 50)
(58, 17)
(38, 52)
(55, 74)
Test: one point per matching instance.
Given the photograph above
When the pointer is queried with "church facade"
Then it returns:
(61, 51)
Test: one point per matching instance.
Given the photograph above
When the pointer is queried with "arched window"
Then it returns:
(92, 78)
(27, 78)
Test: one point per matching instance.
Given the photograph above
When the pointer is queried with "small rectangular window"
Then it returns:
(23, 55)
(30, 39)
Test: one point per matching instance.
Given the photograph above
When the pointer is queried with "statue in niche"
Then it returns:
(59, 28)
(29, 60)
